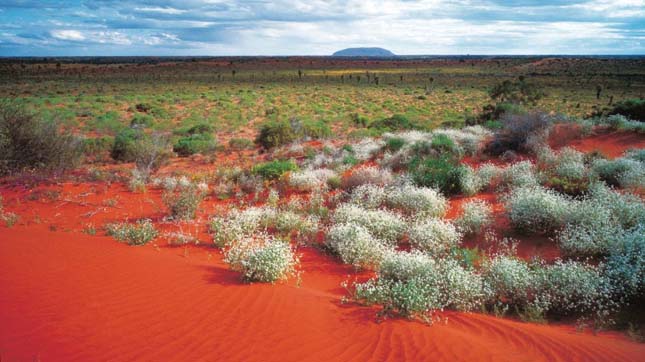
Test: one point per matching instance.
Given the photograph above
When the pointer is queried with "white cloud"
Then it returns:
(160, 10)
(68, 35)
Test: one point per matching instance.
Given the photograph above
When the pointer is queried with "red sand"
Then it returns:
(74, 297)
(611, 144)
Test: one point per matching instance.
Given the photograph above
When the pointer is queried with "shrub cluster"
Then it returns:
(476, 216)
(413, 284)
(139, 233)
(262, 258)
(197, 139)
(355, 245)
(183, 199)
(534, 209)
(28, 142)
(384, 225)
(434, 236)
(274, 169)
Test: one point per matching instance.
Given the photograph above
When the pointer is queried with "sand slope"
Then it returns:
(74, 297)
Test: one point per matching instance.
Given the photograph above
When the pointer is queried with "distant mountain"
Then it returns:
(364, 52)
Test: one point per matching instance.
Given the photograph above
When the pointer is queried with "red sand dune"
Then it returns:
(74, 297)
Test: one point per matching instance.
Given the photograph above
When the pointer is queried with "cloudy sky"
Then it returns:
(320, 27)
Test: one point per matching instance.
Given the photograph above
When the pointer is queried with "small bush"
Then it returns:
(443, 144)
(395, 123)
(202, 143)
(518, 130)
(384, 225)
(477, 215)
(309, 180)
(238, 225)
(536, 210)
(416, 200)
(394, 144)
(631, 108)
(442, 173)
(183, 200)
(315, 130)
(510, 280)
(142, 121)
(275, 134)
(355, 245)
(139, 233)
(274, 169)
(434, 236)
(413, 284)
(572, 288)
(625, 265)
(27, 142)
(262, 259)
(124, 144)
(367, 175)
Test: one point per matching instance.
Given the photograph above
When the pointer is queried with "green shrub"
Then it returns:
(183, 200)
(274, 134)
(395, 123)
(97, 146)
(28, 142)
(274, 169)
(443, 143)
(442, 173)
(315, 129)
(394, 144)
(631, 108)
(139, 233)
(141, 121)
(123, 148)
(195, 143)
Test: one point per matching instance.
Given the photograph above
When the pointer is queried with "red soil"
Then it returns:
(73, 297)
(611, 144)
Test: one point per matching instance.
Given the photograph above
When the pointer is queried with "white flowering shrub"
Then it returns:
(183, 200)
(367, 148)
(625, 265)
(434, 236)
(239, 224)
(416, 200)
(509, 279)
(368, 175)
(636, 155)
(536, 209)
(139, 233)
(623, 172)
(626, 209)
(469, 181)
(289, 221)
(262, 258)
(383, 225)
(355, 245)
(368, 196)
(589, 230)
(573, 288)
(520, 174)
(413, 284)
(476, 216)
(489, 175)
(308, 180)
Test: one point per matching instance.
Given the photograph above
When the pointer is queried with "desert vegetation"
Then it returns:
(502, 187)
